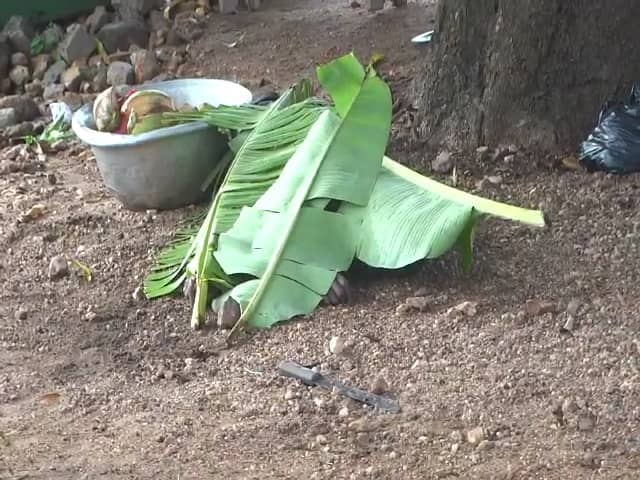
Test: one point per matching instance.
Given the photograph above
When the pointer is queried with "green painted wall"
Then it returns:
(45, 10)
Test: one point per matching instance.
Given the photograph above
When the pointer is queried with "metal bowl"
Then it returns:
(162, 169)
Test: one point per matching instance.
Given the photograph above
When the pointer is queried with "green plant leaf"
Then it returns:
(411, 217)
(287, 239)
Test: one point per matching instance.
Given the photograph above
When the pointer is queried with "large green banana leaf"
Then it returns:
(269, 134)
(288, 240)
(410, 217)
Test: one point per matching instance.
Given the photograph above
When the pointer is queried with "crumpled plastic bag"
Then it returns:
(614, 144)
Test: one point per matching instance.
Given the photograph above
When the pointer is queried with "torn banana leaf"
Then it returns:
(288, 240)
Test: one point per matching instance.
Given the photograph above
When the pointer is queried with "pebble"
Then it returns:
(379, 385)
(573, 307)
(21, 314)
(58, 267)
(145, 65)
(289, 394)
(485, 445)
(443, 163)
(476, 435)
(533, 308)
(412, 304)
(569, 324)
(509, 159)
(168, 374)
(467, 309)
(482, 153)
(137, 294)
(586, 422)
(336, 345)
(343, 412)
(455, 447)
(19, 58)
(7, 117)
(120, 73)
(456, 436)
(494, 179)
(19, 75)
(321, 440)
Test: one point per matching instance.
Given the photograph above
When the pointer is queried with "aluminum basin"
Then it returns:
(162, 169)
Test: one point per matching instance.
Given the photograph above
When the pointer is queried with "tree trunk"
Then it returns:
(530, 72)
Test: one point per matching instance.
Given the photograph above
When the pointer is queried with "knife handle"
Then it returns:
(292, 369)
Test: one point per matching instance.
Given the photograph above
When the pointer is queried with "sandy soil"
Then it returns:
(541, 382)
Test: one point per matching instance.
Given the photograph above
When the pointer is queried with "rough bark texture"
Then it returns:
(530, 72)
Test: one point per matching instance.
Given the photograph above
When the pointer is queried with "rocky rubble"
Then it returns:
(126, 42)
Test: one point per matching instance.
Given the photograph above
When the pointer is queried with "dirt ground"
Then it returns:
(95, 383)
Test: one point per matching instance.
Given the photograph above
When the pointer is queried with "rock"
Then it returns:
(476, 435)
(53, 92)
(419, 304)
(53, 73)
(20, 130)
(34, 89)
(121, 35)
(19, 31)
(39, 65)
(379, 385)
(99, 82)
(145, 65)
(73, 100)
(6, 86)
(98, 19)
(19, 58)
(586, 422)
(569, 406)
(21, 314)
(157, 21)
(443, 163)
(120, 73)
(467, 309)
(482, 153)
(19, 75)
(76, 44)
(375, 5)
(573, 307)
(71, 78)
(289, 395)
(168, 374)
(494, 179)
(26, 108)
(336, 345)
(485, 445)
(569, 324)
(134, 8)
(58, 267)
(321, 439)
(454, 448)
(343, 412)
(534, 308)
(7, 117)
(509, 159)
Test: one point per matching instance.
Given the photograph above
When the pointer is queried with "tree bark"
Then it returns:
(530, 72)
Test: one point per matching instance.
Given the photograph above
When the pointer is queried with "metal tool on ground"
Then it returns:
(292, 369)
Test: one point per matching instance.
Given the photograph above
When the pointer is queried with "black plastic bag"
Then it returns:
(614, 144)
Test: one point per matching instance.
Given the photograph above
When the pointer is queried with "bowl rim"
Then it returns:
(96, 138)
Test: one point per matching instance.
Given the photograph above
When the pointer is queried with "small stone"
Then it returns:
(19, 31)
(494, 179)
(321, 440)
(71, 78)
(22, 129)
(76, 44)
(456, 436)
(34, 89)
(336, 345)
(379, 385)
(99, 83)
(138, 294)
(21, 314)
(145, 65)
(8, 117)
(122, 35)
(98, 19)
(26, 108)
(289, 394)
(375, 5)
(168, 374)
(573, 307)
(476, 435)
(53, 73)
(343, 412)
(455, 447)
(58, 267)
(19, 75)
(19, 58)
(120, 73)
(53, 92)
(482, 153)
(589, 460)
(533, 308)
(419, 304)
(485, 445)
(509, 159)
(512, 148)
(467, 309)
(443, 163)
(586, 422)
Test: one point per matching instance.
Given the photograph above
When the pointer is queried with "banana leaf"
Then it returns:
(259, 133)
(288, 240)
